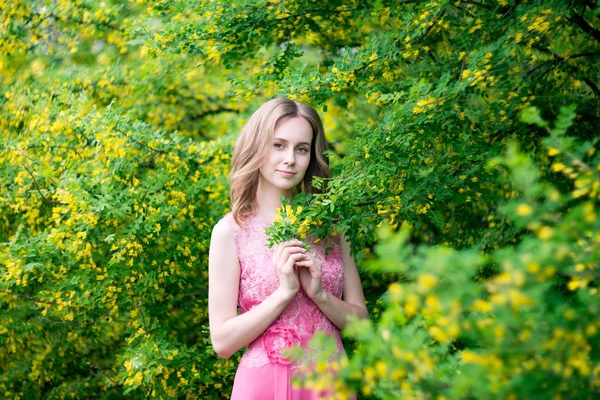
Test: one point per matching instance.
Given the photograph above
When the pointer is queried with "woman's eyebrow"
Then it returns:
(284, 140)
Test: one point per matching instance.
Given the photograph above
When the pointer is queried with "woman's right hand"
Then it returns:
(285, 255)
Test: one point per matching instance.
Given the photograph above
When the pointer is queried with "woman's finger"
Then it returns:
(291, 261)
(292, 242)
(279, 247)
(287, 251)
(306, 262)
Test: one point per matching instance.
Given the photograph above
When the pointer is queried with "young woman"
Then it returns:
(285, 294)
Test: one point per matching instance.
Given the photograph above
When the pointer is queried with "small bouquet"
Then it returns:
(288, 225)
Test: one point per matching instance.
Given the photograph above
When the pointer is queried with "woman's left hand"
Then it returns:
(309, 274)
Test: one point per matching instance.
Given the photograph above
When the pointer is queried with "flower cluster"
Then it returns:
(288, 225)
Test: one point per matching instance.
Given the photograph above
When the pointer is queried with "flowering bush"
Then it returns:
(519, 322)
(287, 225)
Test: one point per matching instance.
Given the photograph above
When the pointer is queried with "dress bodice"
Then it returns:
(258, 279)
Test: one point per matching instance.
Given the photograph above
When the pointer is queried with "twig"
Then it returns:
(79, 324)
(585, 54)
(70, 19)
(462, 66)
(212, 112)
(592, 86)
(487, 7)
(36, 146)
(102, 371)
(37, 187)
(34, 299)
(315, 11)
(135, 140)
(583, 24)
(143, 317)
(509, 10)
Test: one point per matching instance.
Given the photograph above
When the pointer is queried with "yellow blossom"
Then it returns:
(545, 233)
(524, 210)
(557, 167)
(427, 281)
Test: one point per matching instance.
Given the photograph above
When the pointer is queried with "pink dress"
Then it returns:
(263, 373)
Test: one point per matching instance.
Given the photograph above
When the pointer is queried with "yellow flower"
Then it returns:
(427, 281)
(381, 369)
(524, 210)
(303, 228)
(395, 291)
(481, 305)
(545, 233)
(438, 334)
(558, 167)
(411, 306)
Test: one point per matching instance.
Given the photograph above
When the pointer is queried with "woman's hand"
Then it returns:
(310, 273)
(285, 256)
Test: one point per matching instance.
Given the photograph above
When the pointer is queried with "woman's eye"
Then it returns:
(303, 150)
(278, 145)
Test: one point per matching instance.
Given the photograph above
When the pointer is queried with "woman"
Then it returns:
(285, 294)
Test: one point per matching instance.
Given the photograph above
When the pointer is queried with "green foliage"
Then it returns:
(530, 330)
(287, 226)
(91, 271)
(116, 127)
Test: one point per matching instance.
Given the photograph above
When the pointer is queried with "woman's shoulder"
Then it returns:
(227, 223)
(224, 229)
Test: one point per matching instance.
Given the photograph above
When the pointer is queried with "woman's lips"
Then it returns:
(286, 173)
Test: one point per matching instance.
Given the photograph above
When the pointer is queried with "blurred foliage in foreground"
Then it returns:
(519, 322)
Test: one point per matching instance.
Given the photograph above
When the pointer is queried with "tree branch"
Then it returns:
(34, 299)
(46, 200)
(316, 11)
(143, 317)
(80, 324)
(592, 86)
(583, 24)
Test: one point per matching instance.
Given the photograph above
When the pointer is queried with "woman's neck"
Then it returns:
(269, 199)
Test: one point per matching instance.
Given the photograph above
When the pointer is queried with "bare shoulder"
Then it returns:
(222, 230)
(222, 250)
(222, 235)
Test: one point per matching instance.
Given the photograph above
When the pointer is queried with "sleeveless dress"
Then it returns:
(263, 373)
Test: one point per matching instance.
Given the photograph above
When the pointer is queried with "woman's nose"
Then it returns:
(290, 158)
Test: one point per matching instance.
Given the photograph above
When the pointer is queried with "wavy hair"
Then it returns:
(254, 144)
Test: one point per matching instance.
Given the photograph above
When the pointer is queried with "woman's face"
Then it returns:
(289, 156)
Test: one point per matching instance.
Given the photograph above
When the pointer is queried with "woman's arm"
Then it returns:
(230, 332)
(353, 300)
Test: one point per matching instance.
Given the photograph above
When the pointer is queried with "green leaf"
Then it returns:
(532, 115)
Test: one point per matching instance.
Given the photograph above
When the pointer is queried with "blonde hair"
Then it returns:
(254, 144)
